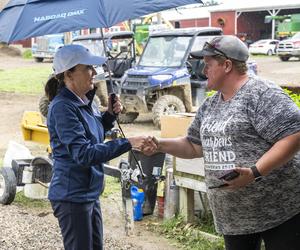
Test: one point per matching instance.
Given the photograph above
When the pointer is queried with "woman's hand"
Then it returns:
(117, 105)
(145, 144)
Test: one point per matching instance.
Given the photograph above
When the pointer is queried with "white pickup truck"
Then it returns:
(289, 48)
(45, 47)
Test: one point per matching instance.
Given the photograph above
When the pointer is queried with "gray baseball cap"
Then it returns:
(228, 46)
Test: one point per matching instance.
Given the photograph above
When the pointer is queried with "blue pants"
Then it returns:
(80, 224)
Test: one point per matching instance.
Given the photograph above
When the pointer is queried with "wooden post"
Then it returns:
(186, 203)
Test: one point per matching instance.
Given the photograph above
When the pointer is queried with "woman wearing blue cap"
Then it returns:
(77, 132)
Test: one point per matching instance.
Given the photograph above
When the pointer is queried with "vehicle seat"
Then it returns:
(119, 65)
(197, 69)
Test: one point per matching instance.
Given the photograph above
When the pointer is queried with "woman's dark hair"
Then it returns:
(54, 84)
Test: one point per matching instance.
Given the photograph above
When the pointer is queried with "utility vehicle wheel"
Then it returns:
(8, 185)
(284, 58)
(166, 105)
(269, 53)
(102, 92)
(97, 103)
(39, 59)
(44, 104)
(128, 117)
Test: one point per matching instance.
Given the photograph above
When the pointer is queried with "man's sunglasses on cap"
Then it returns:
(210, 47)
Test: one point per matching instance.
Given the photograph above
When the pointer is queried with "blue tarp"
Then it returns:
(22, 19)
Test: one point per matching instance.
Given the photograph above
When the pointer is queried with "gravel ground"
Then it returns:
(24, 228)
(28, 230)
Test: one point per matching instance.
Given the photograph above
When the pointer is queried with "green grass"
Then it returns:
(29, 80)
(23, 201)
(189, 235)
(206, 223)
(261, 55)
(112, 186)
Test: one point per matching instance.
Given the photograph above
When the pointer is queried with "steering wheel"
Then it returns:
(189, 67)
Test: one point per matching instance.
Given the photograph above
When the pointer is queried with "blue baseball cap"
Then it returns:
(71, 55)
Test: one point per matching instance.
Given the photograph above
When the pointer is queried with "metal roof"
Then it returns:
(112, 35)
(188, 32)
(255, 5)
(198, 12)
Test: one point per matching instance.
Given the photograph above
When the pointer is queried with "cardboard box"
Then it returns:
(175, 125)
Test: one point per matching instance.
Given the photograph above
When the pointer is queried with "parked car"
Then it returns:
(289, 48)
(264, 46)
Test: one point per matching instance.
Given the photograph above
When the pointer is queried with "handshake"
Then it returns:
(148, 145)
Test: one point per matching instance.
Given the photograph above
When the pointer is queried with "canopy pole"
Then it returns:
(273, 13)
(107, 64)
(113, 91)
(237, 15)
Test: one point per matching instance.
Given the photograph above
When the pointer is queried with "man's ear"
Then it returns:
(228, 66)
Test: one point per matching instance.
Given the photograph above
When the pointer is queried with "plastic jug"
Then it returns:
(137, 196)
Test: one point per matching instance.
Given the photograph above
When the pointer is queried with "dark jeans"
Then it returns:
(283, 237)
(80, 224)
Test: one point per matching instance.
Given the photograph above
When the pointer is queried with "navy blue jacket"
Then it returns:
(76, 136)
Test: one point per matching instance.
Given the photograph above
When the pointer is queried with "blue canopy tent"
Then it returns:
(21, 19)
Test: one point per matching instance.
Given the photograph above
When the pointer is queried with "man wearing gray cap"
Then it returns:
(249, 135)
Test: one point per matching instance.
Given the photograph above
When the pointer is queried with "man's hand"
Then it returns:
(245, 178)
(145, 144)
(151, 147)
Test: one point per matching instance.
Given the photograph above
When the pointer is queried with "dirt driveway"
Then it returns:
(282, 73)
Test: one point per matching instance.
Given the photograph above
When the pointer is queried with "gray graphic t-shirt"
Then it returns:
(238, 132)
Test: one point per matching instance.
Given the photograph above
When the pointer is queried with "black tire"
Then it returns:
(102, 92)
(166, 105)
(8, 185)
(42, 169)
(284, 58)
(44, 105)
(39, 59)
(128, 117)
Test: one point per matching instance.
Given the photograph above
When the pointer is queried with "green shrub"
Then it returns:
(27, 54)
(210, 93)
(295, 97)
